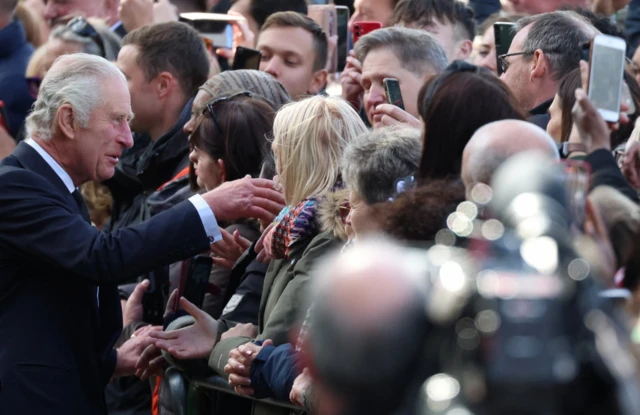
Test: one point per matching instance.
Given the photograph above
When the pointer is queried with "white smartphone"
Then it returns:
(213, 26)
(606, 75)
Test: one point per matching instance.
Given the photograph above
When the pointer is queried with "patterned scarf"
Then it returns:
(292, 225)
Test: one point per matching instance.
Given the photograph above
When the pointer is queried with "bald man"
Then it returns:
(494, 143)
(367, 329)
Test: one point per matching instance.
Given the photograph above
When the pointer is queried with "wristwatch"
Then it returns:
(567, 148)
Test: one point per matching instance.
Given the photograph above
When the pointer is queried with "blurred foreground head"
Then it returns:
(368, 329)
(492, 144)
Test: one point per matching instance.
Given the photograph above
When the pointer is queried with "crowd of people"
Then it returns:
(362, 254)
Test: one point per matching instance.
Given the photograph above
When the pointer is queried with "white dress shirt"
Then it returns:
(207, 217)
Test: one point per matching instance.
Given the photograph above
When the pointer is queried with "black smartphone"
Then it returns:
(504, 34)
(4, 121)
(394, 95)
(344, 39)
(196, 285)
(246, 58)
(155, 299)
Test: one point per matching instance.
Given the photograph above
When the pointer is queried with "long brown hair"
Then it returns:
(238, 134)
(453, 105)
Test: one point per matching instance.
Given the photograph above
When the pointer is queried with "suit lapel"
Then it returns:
(29, 158)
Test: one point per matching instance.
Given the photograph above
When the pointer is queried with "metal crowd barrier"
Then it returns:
(189, 394)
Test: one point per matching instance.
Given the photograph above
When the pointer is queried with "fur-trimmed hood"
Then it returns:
(329, 213)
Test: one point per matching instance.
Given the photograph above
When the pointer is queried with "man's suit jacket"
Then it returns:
(56, 337)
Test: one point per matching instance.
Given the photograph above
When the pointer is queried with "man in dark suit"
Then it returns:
(60, 312)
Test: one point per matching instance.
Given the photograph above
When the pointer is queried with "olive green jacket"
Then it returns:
(283, 297)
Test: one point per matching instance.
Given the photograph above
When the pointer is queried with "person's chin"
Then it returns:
(106, 174)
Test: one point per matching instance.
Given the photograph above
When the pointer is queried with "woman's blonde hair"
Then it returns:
(310, 137)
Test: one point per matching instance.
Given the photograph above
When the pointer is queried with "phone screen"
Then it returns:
(343, 36)
(394, 95)
(246, 58)
(504, 34)
(605, 80)
(578, 183)
(196, 285)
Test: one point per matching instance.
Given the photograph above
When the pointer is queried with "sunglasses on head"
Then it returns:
(81, 27)
(211, 104)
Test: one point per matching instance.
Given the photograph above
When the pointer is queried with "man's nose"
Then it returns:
(126, 139)
(188, 127)
(272, 68)
(377, 95)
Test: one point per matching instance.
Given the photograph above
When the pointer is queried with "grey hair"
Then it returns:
(110, 40)
(560, 36)
(418, 50)
(74, 79)
(374, 161)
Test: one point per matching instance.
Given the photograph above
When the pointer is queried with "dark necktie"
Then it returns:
(82, 207)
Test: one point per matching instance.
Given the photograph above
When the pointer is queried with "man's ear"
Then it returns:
(540, 65)
(465, 49)
(318, 81)
(165, 83)
(65, 121)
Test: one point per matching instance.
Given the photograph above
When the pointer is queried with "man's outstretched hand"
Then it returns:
(132, 349)
(245, 198)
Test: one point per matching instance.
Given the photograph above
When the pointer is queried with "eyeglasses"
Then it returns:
(504, 64)
(344, 210)
(33, 84)
(81, 27)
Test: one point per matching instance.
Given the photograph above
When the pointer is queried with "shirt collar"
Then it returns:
(63, 175)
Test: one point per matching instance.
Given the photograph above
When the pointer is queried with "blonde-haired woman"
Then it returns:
(310, 137)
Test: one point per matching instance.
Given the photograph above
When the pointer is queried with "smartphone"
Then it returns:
(578, 185)
(196, 284)
(503, 34)
(362, 28)
(246, 58)
(325, 16)
(344, 40)
(4, 121)
(213, 26)
(154, 300)
(394, 95)
(606, 75)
